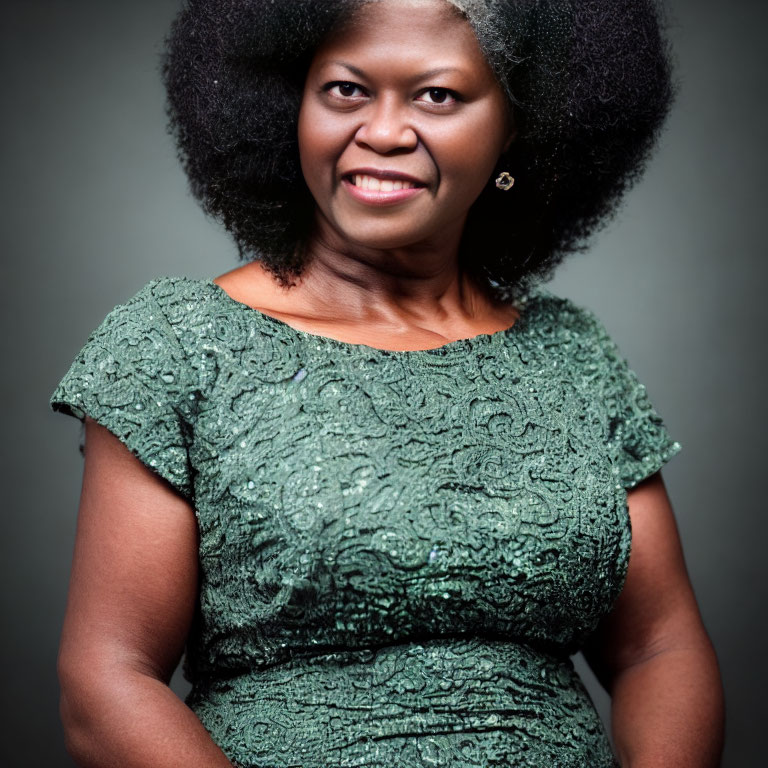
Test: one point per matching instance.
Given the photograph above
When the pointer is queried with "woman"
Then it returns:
(377, 481)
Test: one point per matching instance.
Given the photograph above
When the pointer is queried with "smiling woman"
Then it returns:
(377, 481)
(587, 103)
(388, 125)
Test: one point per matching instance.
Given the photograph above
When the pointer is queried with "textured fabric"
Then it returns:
(399, 551)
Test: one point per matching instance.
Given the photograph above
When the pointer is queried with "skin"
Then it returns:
(652, 652)
(131, 600)
(393, 270)
(390, 279)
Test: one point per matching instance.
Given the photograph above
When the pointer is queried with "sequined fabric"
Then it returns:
(399, 551)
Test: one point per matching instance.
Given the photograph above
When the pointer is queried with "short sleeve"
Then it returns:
(131, 378)
(636, 432)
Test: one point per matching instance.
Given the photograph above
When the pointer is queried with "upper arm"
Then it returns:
(656, 609)
(134, 575)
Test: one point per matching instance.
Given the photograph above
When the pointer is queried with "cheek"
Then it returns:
(466, 163)
(320, 143)
(469, 151)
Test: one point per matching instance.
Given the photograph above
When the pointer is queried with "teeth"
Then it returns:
(377, 185)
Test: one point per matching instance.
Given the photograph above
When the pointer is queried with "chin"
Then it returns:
(383, 235)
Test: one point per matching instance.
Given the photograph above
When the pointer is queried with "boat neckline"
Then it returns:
(457, 345)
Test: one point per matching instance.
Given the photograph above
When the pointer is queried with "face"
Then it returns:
(401, 125)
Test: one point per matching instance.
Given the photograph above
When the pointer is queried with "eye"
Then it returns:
(442, 96)
(343, 90)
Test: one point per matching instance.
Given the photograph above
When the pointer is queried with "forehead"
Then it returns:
(433, 32)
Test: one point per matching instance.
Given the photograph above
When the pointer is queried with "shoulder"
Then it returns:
(133, 377)
(166, 294)
(134, 355)
(154, 313)
(142, 336)
(562, 320)
(572, 337)
(153, 297)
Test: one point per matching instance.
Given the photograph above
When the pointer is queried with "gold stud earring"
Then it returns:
(505, 181)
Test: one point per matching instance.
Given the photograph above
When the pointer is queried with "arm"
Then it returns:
(131, 599)
(652, 653)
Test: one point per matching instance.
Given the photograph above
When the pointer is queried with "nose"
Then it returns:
(386, 128)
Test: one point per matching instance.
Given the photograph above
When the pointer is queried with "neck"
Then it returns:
(415, 285)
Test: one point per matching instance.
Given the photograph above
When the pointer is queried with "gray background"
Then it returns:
(94, 206)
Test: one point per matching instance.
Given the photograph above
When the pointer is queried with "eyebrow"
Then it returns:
(421, 76)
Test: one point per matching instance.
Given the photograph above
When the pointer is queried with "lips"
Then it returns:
(379, 179)
(381, 187)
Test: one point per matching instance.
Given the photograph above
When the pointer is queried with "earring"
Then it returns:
(505, 181)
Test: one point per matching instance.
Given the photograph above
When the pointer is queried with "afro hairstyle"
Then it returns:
(589, 83)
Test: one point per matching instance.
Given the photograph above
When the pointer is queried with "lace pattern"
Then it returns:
(398, 550)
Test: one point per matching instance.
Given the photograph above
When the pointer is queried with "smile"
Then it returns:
(381, 191)
(380, 185)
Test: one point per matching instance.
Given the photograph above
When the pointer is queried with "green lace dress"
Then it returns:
(399, 551)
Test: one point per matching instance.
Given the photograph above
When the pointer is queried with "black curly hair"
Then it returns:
(589, 82)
